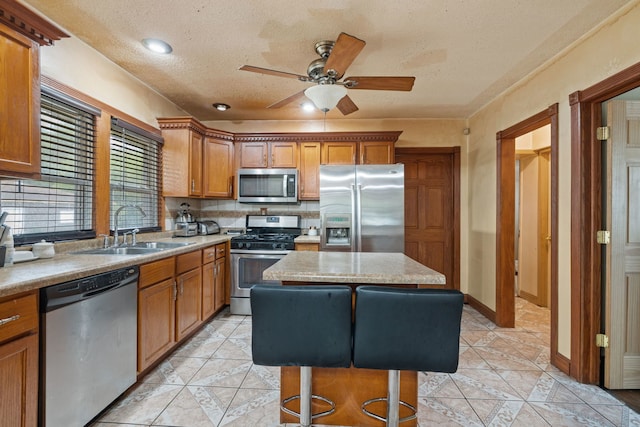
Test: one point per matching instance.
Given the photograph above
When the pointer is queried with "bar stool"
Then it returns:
(405, 329)
(306, 326)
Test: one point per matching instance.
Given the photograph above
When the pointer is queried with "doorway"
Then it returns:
(505, 227)
(533, 212)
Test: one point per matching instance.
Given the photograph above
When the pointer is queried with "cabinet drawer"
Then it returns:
(156, 271)
(18, 315)
(208, 255)
(186, 262)
(221, 250)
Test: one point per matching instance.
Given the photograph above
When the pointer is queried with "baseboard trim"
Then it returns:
(480, 307)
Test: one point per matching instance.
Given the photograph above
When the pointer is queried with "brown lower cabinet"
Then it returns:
(19, 361)
(175, 296)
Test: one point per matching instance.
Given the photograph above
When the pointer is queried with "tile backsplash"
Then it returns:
(231, 214)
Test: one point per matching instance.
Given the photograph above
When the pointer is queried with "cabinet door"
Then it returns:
(254, 155)
(309, 187)
(208, 290)
(220, 283)
(189, 302)
(284, 154)
(218, 168)
(338, 153)
(376, 153)
(19, 382)
(19, 105)
(195, 164)
(156, 322)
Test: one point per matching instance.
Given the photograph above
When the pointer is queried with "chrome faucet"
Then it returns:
(115, 222)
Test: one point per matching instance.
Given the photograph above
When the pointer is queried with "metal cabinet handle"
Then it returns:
(264, 160)
(175, 291)
(9, 319)
(273, 159)
(181, 288)
(193, 185)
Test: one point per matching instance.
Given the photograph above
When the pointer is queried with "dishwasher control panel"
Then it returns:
(58, 296)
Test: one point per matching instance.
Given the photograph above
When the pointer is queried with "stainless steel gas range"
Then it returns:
(267, 240)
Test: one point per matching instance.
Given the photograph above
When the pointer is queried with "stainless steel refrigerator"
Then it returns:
(362, 208)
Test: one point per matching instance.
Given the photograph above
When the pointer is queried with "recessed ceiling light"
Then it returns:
(308, 106)
(157, 45)
(221, 107)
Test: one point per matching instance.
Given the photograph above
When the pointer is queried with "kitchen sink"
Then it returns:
(161, 245)
(139, 249)
(126, 250)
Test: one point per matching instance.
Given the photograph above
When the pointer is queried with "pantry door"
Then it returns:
(432, 208)
(622, 283)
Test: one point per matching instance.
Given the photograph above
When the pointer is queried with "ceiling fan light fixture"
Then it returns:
(326, 96)
(157, 46)
(221, 107)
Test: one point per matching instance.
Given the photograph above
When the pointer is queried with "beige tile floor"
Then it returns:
(504, 379)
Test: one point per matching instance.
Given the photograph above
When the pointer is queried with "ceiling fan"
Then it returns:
(326, 72)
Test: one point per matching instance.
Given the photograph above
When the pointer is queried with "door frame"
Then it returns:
(586, 219)
(455, 152)
(505, 226)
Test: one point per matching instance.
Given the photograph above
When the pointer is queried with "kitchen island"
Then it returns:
(349, 387)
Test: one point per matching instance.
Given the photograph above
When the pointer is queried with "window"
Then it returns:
(135, 176)
(59, 205)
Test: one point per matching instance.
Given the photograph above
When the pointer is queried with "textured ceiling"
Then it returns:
(462, 53)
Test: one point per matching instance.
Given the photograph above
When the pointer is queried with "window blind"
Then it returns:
(59, 205)
(135, 176)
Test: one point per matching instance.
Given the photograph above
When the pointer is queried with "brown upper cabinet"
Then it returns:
(197, 161)
(376, 152)
(21, 34)
(339, 153)
(276, 154)
(309, 167)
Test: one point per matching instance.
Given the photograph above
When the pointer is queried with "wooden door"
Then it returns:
(19, 382)
(208, 289)
(19, 105)
(431, 219)
(188, 303)
(284, 154)
(338, 153)
(220, 282)
(376, 153)
(309, 187)
(253, 154)
(195, 164)
(622, 284)
(156, 322)
(218, 166)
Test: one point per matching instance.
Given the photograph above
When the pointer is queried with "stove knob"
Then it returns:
(240, 245)
(275, 246)
(248, 245)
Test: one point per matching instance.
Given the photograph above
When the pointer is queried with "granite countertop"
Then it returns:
(305, 238)
(352, 267)
(67, 266)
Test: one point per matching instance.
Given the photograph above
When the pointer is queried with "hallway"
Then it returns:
(504, 379)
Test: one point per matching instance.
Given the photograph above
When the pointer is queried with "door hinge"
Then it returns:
(602, 341)
(603, 237)
(602, 133)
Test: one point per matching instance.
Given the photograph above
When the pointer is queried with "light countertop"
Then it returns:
(352, 267)
(63, 267)
(305, 238)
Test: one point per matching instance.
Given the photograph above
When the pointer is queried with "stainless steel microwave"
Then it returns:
(268, 185)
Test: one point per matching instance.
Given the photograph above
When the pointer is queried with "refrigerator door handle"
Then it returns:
(358, 209)
(355, 246)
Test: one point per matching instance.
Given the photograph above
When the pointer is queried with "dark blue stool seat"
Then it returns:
(405, 329)
(306, 326)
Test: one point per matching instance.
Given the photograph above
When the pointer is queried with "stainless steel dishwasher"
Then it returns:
(88, 344)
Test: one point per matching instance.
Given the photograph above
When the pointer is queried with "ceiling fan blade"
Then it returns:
(343, 53)
(273, 72)
(347, 106)
(380, 83)
(287, 100)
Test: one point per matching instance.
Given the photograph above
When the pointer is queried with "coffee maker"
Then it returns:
(186, 224)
